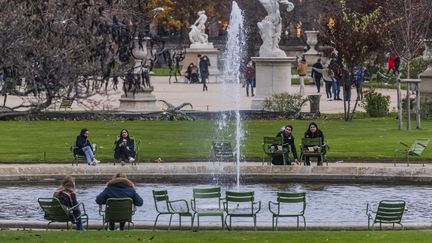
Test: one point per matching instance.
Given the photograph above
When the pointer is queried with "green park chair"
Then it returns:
(207, 202)
(288, 205)
(77, 157)
(222, 151)
(313, 147)
(240, 204)
(388, 212)
(415, 150)
(137, 144)
(117, 210)
(56, 212)
(164, 206)
(269, 149)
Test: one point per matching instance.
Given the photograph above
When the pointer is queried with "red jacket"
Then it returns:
(392, 61)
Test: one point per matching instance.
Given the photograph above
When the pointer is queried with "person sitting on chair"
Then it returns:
(314, 132)
(85, 148)
(119, 187)
(67, 197)
(288, 142)
(124, 148)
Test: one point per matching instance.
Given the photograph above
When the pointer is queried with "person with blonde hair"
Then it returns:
(67, 197)
(119, 187)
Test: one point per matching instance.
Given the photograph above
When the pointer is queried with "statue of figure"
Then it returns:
(270, 28)
(197, 35)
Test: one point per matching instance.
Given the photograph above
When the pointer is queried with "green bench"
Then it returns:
(222, 152)
(416, 149)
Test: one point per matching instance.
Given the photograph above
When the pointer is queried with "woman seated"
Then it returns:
(124, 148)
(119, 187)
(67, 197)
(314, 132)
(84, 147)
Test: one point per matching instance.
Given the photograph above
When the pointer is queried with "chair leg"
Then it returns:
(226, 217)
(304, 222)
(169, 225)
(254, 219)
(157, 217)
(198, 221)
(222, 221)
(297, 222)
(180, 226)
(277, 219)
(273, 226)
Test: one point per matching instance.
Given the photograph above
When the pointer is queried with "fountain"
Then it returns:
(273, 67)
(231, 87)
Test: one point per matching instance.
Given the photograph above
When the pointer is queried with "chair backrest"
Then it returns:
(222, 151)
(269, 141)
(390, 211)
(312, 141)
(419, 146)
(53, 209)
(206, 194)
(292, 198)
(118, 209)
(239, 199)
(161, 197)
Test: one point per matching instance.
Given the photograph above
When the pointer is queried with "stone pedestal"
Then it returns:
(273, 76)
(143, 101)
(205, 50)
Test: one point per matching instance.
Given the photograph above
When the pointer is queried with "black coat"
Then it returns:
(203, 66)
(80, 143)
(119, 188)
(288, 141)
(130, 145)
(316, 74)
(316, 134)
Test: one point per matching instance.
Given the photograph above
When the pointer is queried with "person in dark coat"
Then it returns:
(85, 148)
(250, 77)
(288, 144)
(204, 64)
(313, 132)
(124, 148)
(119, 187)
(67, 197)
(316, 75)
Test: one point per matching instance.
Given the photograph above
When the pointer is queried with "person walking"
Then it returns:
(328, 77)
(119, 187)
(204, 64)
(85, 148)
(316, 75)
(250, 77)
(67, 197)
(302, 72)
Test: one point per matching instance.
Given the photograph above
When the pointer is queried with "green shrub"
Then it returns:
(418, 65)
(376, 104)
(289, 105)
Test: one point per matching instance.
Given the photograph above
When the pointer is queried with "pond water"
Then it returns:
(326, 203)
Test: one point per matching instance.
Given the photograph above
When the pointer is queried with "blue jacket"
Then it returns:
(119, 188)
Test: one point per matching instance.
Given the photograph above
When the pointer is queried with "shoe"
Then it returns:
(92, 163)
(131, 159)
(96, 161)
(122, 163)
(330, 99)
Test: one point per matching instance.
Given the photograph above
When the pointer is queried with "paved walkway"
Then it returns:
(219, 97)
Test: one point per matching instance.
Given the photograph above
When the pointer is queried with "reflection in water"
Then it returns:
(326, 203)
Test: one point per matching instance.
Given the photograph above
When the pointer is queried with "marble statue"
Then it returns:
(197, 34)
(270, 28)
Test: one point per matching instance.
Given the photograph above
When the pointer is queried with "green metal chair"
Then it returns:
(56, 212)
(416, 149)
(313, 147)
(207, 202)
(164, 206)
(241, 204)
(388, 212)
(78, 157)
(288, 205)
(117, 210)
(222, 151)
(268, 147)
(137, 144)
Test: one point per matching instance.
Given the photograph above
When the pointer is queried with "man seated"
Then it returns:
(287, 146)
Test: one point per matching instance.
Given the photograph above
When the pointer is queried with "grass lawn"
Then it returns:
(362, 139)
(217, 236)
